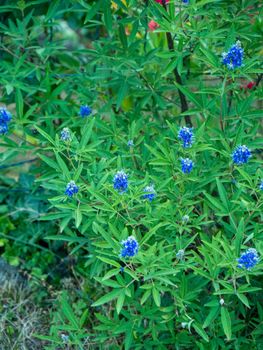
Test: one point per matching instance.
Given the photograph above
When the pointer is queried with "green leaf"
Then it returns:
(63, 166)
(210, 57)
(45, 135)
(122, 93)
(215, 202)
(200, 331)
(78, 217)
(244, 299)
(211, 316)
(239, 236)
(49, 161)
(19, 104)
(222, 193)
(87, 132)
(156, 296)
(92, 10)
(190, 95)
(107, 15)
(105, 235)
(108, 297)
(226, 322)
(145, 296)
(68, 312)
(120, 302)
(109, 261)
(68, 239)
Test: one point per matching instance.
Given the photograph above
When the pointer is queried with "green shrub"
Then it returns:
(193, 210)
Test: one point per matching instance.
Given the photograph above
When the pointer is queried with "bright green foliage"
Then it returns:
(142, 86)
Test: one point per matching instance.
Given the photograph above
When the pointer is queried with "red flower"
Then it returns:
(160, 1)
(250, 85)
(153, 25)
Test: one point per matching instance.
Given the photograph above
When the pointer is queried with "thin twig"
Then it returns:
(183, 101)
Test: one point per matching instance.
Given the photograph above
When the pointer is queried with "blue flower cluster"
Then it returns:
(85, 111)
(234, 57)
(185, 134)
(241, 155)
(248, 259)
(120, 181)
(65, 134)
(261, 185)
(130, 247)
(151, 192)
(185, 1)
(5, 118)
(187, 165)
(71, 189)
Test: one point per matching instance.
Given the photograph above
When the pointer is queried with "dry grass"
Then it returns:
(20, 318)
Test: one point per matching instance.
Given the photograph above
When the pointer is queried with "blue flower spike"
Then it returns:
(234, 57)
(71, 189)
(248, 259)
(187, 165)
(151, 194)
(186, 135)
(85, 111)
(130, 247)
(120, 181)
(65, 135)
(241, 155)
(5, 118)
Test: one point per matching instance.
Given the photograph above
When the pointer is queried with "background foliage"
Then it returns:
(142, 86)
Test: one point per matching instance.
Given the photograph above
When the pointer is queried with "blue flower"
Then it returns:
(151, 195)
(241, 155)
(185, 1)
(248, 259)
(234, 57)
(65, 134)
(5, 118)
(187, 165)
(71, 189)
(130, 247)
(261, 185)
(85, 111)
(130, 143)
(120, 181)
(185, 134)
(3, 128)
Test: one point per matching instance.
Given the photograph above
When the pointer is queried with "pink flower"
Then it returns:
(153, 25)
